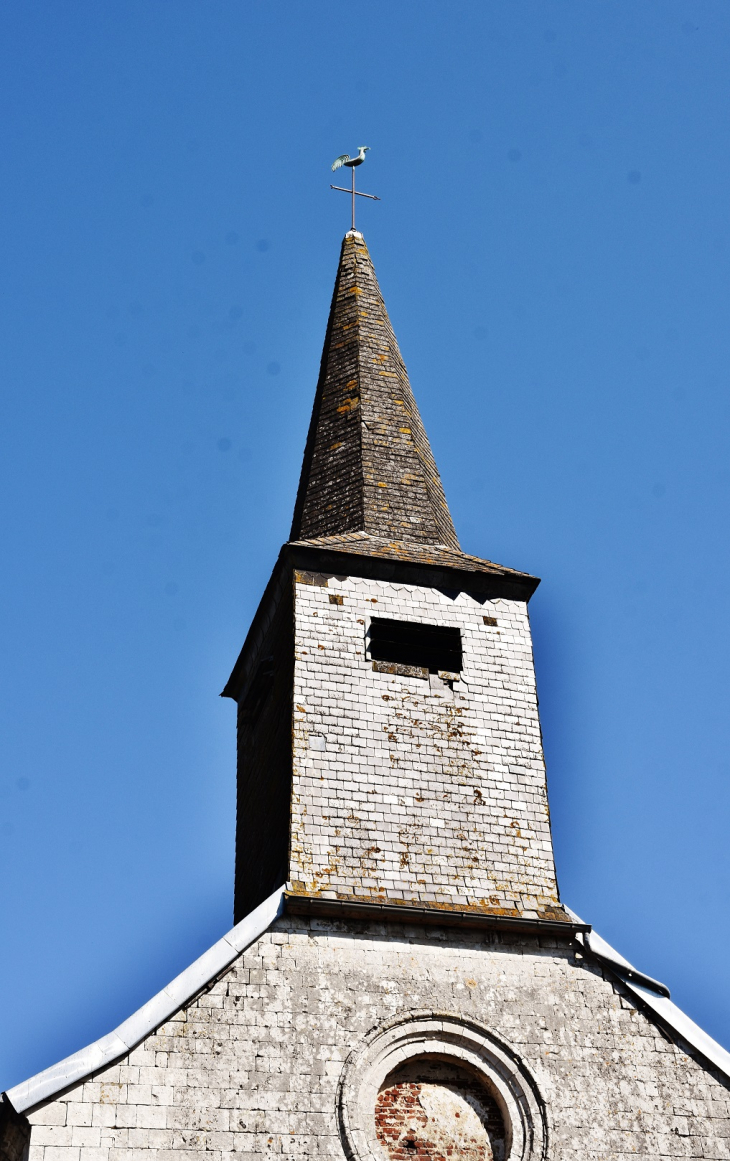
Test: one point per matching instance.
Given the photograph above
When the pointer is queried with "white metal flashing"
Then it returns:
(112, 1047)
(670, 1014)
(656, 996)
(27, 1095)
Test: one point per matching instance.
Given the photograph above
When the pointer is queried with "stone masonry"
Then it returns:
(251, 1068)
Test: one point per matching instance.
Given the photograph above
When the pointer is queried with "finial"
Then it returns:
(352, 163)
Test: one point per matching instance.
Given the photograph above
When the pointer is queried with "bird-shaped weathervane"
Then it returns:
(352, 163)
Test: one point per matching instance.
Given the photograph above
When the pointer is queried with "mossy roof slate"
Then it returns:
(410, 552)
(368, 466)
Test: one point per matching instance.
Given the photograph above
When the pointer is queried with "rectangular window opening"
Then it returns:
(435, 648)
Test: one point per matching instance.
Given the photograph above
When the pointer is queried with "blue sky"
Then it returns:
(553, 247)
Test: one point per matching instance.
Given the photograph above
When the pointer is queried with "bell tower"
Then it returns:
(389, 749)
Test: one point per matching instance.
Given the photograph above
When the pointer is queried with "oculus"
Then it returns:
(434, 1086)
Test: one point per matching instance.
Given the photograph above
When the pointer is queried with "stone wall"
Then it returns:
(404, 787)
(254, 1066)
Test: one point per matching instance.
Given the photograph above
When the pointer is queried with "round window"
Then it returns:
(434, 1086)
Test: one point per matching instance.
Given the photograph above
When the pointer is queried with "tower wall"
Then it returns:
(406, 789)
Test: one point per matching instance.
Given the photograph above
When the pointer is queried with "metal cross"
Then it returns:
(355, 193)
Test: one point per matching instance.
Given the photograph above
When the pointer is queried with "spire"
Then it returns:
(368, 465)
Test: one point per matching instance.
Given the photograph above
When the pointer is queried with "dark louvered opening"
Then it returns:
(432, 647)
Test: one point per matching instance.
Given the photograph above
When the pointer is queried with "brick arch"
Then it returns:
(433, 1109)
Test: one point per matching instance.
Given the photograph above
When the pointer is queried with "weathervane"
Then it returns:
(351, 163)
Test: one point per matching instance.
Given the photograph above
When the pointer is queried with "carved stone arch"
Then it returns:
(423, 1037)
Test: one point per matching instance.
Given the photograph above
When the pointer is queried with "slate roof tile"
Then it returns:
(368, 466)
(362, 544)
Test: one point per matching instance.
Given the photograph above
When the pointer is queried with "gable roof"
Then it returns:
(654, 996)
(368, 466)
(49, 1083)
(108, 1049)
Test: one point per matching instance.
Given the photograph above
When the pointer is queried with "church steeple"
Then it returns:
(389, 747)
(368, 466)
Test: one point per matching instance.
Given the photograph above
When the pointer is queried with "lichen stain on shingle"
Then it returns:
(332, 496)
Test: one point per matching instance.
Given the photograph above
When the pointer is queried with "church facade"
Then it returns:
(402, 980)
